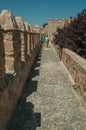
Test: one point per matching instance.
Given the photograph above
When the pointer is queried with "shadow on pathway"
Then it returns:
(25, 118)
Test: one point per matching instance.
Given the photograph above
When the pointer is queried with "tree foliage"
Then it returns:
(73, 35)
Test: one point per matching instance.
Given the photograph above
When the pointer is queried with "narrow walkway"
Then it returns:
(49, 101)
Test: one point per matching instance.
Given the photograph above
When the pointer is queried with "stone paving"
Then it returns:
(49, 101)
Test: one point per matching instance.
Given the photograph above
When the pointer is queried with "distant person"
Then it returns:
(43, 39)
(60, 51)
(47, 40)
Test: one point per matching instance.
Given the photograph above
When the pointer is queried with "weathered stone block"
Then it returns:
(20, 23)
(29, 44)
(27, 26)
(7, 20)
(9, 50)
(22, 47)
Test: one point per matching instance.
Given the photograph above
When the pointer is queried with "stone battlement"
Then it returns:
(18, 48)
(16, 45)
(51, 26)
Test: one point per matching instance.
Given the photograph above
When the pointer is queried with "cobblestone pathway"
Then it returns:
(49, 101)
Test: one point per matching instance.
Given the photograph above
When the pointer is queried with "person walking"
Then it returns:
(47, 40)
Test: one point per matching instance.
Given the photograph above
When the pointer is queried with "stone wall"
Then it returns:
(76, 67)
(18, 50)
(51, 26)
(7, 20)
(36, 29)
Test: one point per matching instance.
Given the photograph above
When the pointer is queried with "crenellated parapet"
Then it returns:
(16, 47)
(7, 20)
(18, 50)
(51, 26)
(17, 42)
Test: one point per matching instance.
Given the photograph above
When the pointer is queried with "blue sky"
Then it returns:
(38, 11)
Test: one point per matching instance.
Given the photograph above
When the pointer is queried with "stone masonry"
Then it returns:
(49, 101)
(57, 105)
(51, 26)
(17, 55)
(14, 69)
(76, 66)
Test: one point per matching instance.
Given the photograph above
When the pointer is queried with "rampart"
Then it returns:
(18, 50)
(76, 67)
(51, 26)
